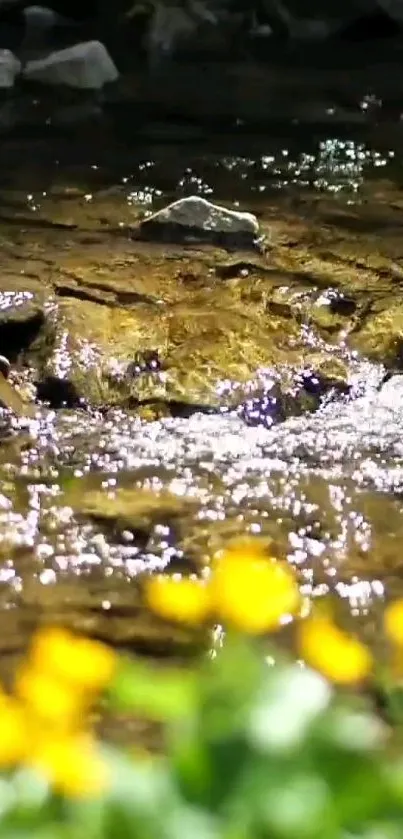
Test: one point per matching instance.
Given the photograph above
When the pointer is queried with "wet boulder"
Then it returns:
(194, 219)
(85, 66)
(93, 348)
(200, 352)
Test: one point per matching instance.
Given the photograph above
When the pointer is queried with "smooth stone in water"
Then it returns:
(86, 66)
(10, 67)
(196, 219)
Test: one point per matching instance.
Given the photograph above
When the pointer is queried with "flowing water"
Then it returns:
(325, 484)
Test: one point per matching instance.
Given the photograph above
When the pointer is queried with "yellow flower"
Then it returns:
(252, 593)
(246, 590)
(393, 622)
(72, 765)
(183, 600)
(87, 665)
(49, 699)
(337, 655)
(14, 737)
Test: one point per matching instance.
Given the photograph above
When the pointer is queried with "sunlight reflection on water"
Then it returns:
(302, 475)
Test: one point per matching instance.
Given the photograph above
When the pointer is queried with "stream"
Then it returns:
(274, 406)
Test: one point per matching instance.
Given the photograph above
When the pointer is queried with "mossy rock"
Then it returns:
(200, 345)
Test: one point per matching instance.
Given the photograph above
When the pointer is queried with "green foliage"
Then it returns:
(252, 751)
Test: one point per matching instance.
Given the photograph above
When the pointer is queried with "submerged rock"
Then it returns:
(195, 219)
(135, 510)
(296, 392)
(10, 68)
(265, 410)
(200, 352)
(10, 398)
(87, 66)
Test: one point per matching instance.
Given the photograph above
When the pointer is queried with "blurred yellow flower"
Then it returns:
(182, 600)
(393, 622)
(72, 765)
(49, 699)
(86, 664)
(14, 733)
(41, 725)
(337, 655)
(252, 593)
(246, 590)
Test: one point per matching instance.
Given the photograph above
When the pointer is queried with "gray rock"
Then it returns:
(87, 66)
(195, 219)
(10, 67)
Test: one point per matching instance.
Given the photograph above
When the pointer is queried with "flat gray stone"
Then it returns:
(195, 219)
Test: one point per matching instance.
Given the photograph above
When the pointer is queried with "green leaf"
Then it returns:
(160, 694)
